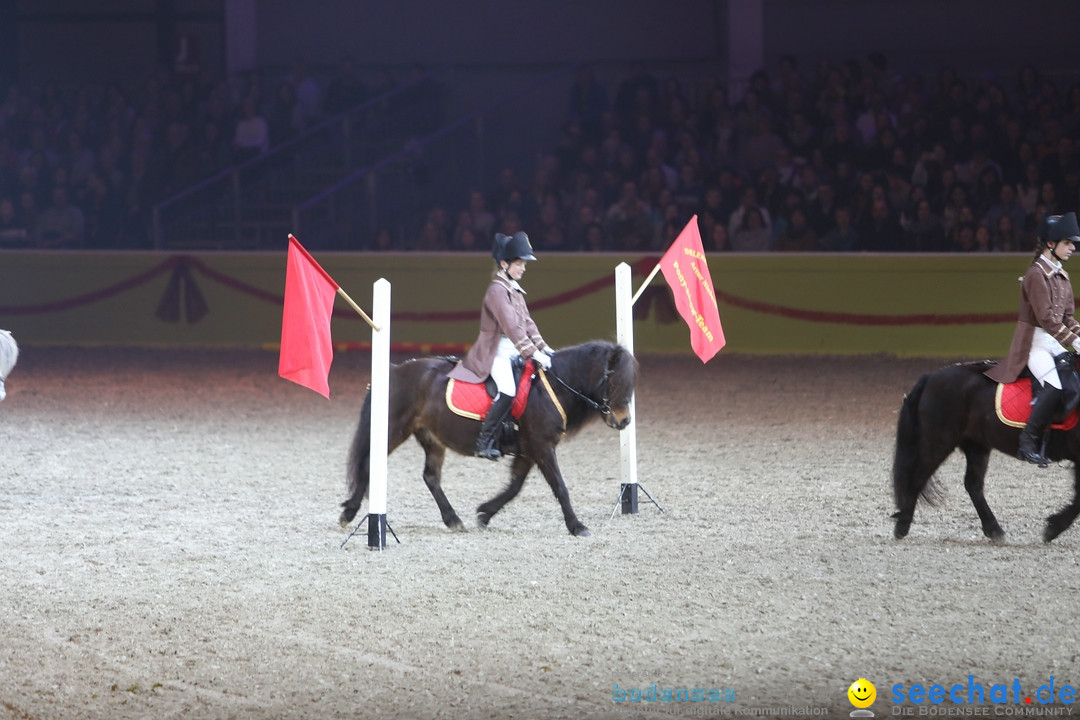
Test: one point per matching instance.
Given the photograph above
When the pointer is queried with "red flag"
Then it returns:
(687, 273)
(306, 350)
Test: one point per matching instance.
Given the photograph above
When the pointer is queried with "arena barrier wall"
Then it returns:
(906, 305)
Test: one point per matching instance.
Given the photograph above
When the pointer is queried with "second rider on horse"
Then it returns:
(506, 330)
(1044, 329)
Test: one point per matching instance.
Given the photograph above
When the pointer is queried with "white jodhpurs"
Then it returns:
(1041, 358)
(501, 372)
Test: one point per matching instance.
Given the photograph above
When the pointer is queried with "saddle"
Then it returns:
(1013, 401)
(473, 400)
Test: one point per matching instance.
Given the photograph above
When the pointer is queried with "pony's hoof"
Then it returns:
(901, 530)
(1055, 525)
(997, 536)
(457, 526)
(581, 531)
(346, 517)
(482, 520)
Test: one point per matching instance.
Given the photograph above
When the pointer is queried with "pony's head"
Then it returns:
(602, 374)
(620, 376)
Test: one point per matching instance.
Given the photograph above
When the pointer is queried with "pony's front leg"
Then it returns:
(1059, 522)
(518, 470)
(549, 466)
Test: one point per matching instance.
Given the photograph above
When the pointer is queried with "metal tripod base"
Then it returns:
(377, 527)
(628, 499)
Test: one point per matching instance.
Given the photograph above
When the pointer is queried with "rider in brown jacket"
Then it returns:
(1044, 329)
(505, 330)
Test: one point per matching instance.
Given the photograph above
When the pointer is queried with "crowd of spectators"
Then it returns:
(845, 157)
(83, 167)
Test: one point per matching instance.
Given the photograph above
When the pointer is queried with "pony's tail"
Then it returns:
(358, 466)
(908, 485)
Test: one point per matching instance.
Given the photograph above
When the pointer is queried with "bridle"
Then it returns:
(601, 407)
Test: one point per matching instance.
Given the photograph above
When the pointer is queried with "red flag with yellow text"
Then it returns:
(306, 349)
(687, 273)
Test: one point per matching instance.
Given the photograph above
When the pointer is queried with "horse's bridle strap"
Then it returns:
(601, 407)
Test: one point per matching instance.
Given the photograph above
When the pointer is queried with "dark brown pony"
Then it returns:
(954, 408)
(592, 380)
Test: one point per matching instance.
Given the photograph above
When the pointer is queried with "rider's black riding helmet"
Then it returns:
(512, 247)
(1055, 228)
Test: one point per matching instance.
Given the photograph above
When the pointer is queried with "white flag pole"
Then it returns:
(624, 333)
(380, 407)
(645, 284)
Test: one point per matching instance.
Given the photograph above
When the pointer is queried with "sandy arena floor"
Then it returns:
(170, 545)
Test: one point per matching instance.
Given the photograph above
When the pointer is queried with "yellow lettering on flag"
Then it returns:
(687, 272)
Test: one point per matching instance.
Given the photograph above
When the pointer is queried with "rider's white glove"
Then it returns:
(1076, 346)
(543, 358)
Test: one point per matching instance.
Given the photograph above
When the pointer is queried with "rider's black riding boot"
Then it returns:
(1045, 405)
(487, 443)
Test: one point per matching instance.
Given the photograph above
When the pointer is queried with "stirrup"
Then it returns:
(1034, 458)
(488, 453)
(1037, 454)
(488, 449)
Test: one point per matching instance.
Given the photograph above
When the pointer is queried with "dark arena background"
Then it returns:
(169, 504)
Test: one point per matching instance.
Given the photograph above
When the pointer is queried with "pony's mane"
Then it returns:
(586, 376)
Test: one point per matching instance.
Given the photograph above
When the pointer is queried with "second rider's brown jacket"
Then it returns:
(1046, 301)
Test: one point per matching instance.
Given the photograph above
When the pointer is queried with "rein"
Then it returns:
(601, 407)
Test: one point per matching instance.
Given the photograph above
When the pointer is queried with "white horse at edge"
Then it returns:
(9, 354)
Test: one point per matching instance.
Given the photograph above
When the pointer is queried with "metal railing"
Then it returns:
(246, 204)
(378, 170)
(394, 195)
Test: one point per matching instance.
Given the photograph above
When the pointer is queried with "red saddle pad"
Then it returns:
(471, 400)
(1013, 405)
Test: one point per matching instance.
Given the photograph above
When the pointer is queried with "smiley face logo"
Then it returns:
(862, 693)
